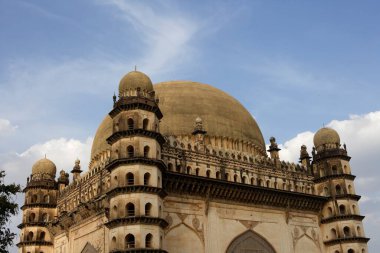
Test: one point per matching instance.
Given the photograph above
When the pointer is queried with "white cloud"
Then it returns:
(165, 32)
(361, 133)
(63, 152)
(6, 127)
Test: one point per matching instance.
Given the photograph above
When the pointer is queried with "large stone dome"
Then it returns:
(182, 102)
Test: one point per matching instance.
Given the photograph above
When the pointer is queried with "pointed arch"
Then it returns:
(250, 240)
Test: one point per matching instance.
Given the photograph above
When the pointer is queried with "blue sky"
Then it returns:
(295, 65)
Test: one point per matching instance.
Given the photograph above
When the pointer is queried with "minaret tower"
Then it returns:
(341, 222)
(39, 208)
(136, 169)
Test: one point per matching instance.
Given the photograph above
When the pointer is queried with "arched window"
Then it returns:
(354, 211)
(268, 183)
(197, 171)
(146, 151)
(359, 232)
(130, 179)
(345, 170)
(146, 178)
(148, 241)
(342, 210)
(178, 168)
(252, 180)
(145, 124)
(244, 180)
(330, 211)
(170, 166)
(218, 175)
(333, 234)
(259, 182)
(188, 170)
(148, 209)
(235, 178)
(350, 191)
(46, 199)
(227, 176)
(32, 217)
(346, 232)
(34, 198)
(113, 243)
(129, 241)
(30, 236)
(130, 151)
(188, 146)
(351, 251)
(338, 189)
(45, 217)
(114, 210)
(131, 124)
(326, 191)
(130, 209)
(275, 185)
(334, 170)
(42, 236)
(208, 172)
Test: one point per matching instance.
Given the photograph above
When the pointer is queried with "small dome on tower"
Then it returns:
(326, 135)
(44, 166)
(133, 80)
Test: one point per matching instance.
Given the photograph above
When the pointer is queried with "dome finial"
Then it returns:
(135, 67)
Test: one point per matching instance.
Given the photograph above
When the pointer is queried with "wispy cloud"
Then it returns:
(285, 73)
(6, 127)
(165, 32)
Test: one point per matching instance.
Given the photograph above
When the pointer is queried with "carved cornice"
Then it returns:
(135, 132)
(41, 184)
(32, 224)
(342, 218)
(136, 189)
(135, 160)
(331, 153)
(38, 205)
(346, 196)
(336, 176)
(215, 189)
(147, 220)
(134, 103)
(34, 243)
(347, 240)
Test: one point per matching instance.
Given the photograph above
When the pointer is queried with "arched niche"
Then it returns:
(306, 244)
(250, 242)
(182, 239)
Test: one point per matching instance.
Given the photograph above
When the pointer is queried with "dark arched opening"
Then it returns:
(250, 241)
